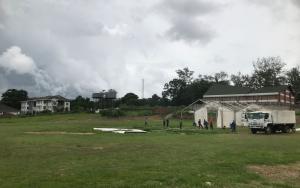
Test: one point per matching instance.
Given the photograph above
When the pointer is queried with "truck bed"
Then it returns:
(284, 117)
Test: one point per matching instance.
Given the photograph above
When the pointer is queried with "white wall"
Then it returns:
(228, 117)
(201, 114)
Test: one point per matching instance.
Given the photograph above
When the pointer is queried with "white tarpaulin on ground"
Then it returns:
(120, 131)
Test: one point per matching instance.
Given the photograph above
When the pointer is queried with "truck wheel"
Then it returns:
(285, 129)
(268, 130)
(293, 130)
(254, 131)
(273, 130)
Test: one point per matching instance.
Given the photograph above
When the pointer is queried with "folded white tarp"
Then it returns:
(120, 131)
(105, 129)
(298, 129)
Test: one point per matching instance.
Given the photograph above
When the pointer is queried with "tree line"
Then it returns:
(267, 71)
(185, 88)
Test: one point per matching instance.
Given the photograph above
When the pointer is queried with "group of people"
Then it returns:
(205, 124)
(209, 124)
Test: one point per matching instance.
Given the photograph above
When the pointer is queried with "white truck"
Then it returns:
(272, 121)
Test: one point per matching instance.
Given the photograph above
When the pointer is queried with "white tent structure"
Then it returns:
(223, 113)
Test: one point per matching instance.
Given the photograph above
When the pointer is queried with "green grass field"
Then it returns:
(159, 158)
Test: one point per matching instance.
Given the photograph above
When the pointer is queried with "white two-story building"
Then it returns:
(41, 104)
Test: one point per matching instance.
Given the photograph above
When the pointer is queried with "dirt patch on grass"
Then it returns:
(58, 133)
(278, 172)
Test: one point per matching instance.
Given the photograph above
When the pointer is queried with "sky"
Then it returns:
(77, 47)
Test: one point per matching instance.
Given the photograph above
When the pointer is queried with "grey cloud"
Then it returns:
(13, 78)
(188, 7)
(191, 31)
(296, 2)
(184, 16)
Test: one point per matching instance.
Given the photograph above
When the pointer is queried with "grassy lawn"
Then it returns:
(159, 158)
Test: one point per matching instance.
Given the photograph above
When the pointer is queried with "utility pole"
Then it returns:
(143, 88)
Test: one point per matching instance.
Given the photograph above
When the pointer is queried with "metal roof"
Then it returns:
(218, 89)
(58, 97)
(272, 89)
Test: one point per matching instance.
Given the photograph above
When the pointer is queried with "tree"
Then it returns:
(241, 80)
(268, 71)
(221, 78)
(185, 75)
(130, 99)
(174, 90)
(154, 100)
(184, 90)
(293, 78)
(81, 104)
(196, 90)
(13, 97)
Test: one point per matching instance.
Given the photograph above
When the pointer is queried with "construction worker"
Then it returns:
(205, 124)
(180, 124)
(233, 126)
(200, 124)
(211, 126)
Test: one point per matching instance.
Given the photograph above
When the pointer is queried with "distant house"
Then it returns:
(41, 104)
(7, 110)
(275, 95)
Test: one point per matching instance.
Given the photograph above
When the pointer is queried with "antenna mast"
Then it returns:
(143, 87)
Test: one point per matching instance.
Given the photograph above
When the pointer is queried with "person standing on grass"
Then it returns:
(194, 124)
(167, 123)
(205, 124)
(233, 126)
(146, 121)
(200, 124)
(211, 126)
(164, 122)
(180, 124)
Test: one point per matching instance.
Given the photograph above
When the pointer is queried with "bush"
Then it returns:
(111, 112)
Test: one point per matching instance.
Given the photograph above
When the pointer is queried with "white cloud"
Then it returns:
(14, 60)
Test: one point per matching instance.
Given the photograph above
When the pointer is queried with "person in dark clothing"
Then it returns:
(194, 124)
(200, 124)
(211, 126)
(205, 124)
(164, 122)
(146, 121)
(233, 126)
(180, 124)
(167, 122)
